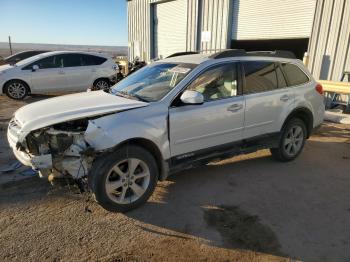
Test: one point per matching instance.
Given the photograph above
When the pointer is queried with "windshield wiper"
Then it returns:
(141, 98)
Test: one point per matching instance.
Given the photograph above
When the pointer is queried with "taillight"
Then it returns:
(319, 89)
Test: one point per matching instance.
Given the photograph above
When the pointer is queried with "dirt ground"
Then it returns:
(247, 208)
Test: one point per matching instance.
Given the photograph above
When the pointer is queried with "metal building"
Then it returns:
(329, 54)
(158, 28)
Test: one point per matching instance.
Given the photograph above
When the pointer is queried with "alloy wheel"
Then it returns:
(293, 141)
(16, 90)
(127, 181)
(102, 85)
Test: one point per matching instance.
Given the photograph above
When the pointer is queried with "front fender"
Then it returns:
(108, 132)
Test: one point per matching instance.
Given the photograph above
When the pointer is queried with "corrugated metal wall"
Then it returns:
(215, 16)
(202, 15)
(139, 19)
(272, 19)
(330, 40)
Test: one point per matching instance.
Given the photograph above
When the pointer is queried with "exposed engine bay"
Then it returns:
(60, 150)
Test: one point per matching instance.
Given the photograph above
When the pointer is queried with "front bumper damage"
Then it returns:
(60, 150)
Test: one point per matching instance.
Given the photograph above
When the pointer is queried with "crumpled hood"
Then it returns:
(71, 107)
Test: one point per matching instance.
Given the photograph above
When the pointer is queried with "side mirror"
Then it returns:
(192, 97)
(35, 67)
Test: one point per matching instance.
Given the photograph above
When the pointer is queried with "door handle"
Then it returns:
(61, 72)
(235, 107)
(284, 98)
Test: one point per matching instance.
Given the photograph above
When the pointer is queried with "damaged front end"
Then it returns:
(58, 151)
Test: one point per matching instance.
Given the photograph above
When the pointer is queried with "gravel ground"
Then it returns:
(247, 208)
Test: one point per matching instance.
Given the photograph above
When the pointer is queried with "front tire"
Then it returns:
(16, 89)
(292, 141)
(125, 179)
(101, 84)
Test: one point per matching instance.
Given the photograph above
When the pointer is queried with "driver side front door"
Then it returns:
(50, 77)
(219, 121)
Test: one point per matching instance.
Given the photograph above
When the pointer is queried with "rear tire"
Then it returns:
(292, 141)
(124, 179)
(16, 89)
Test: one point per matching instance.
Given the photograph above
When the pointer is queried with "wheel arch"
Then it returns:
(305, 115)
(17, 79)
(151, 147)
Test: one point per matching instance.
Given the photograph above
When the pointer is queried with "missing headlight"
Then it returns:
(73, 126)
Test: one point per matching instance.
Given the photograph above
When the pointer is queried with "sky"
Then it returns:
(81, 22)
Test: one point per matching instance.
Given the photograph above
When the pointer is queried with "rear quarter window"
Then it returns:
(93, 60)
(294, 74)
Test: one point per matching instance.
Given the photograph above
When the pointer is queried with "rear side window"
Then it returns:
(294, 74)
(280, 77)
(72, 60)
(260, 76)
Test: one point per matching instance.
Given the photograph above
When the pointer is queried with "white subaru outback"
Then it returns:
(172, 114)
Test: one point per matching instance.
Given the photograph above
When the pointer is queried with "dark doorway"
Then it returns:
(297, 46)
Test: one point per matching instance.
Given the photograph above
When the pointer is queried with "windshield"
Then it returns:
(152, 82)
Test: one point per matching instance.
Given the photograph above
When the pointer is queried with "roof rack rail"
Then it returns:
(241, 52)
(182, 53)
(276, 53)
(228, 53)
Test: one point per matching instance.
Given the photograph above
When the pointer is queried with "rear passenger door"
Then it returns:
(79, 76)
(267, 97)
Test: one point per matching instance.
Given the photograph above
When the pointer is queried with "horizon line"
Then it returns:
(6, 42)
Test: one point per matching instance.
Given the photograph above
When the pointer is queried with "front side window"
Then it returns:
(152, 82)
(47, 63)
(216, 83)
(294, 74)
(260, 76)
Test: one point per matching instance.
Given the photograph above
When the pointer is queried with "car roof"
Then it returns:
(72, 52)
(43, 55)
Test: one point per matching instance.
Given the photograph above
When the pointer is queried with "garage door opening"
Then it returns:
(169, 28)
(297, 46)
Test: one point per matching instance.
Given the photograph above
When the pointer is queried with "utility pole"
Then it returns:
(10, 45)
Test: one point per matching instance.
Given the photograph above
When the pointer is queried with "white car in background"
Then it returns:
(58, 71)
